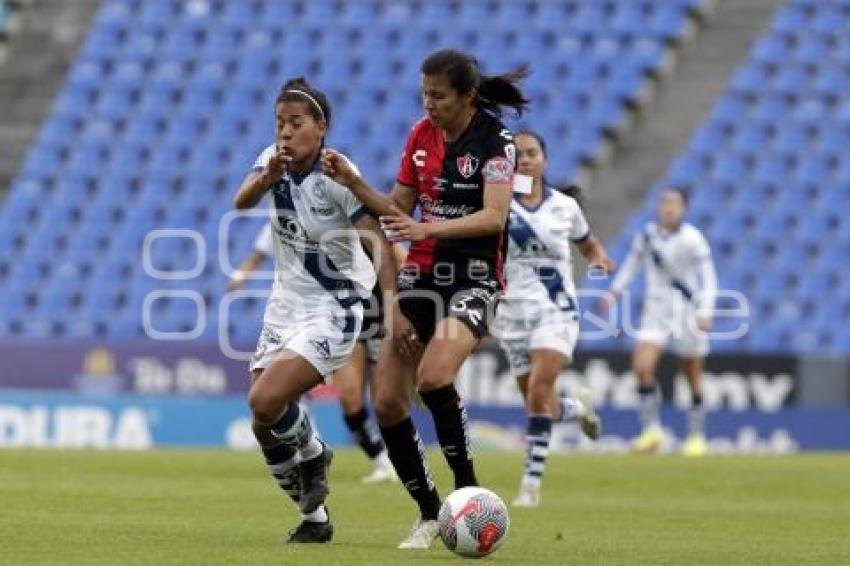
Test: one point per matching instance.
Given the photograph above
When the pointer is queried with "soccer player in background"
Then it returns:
(458, 167)
(350, 380)
(315, 310)
(263, 248)
(679, 305)
(537, 322)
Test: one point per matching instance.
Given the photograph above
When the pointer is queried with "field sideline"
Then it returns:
(205, 507)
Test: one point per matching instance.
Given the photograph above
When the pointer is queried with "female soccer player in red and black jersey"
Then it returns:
(458, 167)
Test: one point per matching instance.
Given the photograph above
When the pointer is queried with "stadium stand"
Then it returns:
(168, 102)
(769, 176)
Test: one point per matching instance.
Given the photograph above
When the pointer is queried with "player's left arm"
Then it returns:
(588, 244)
(596, 255)
(708, 277)
(488, 221)
(498, 175)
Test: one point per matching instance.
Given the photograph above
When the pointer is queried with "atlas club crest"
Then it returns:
(467, 165)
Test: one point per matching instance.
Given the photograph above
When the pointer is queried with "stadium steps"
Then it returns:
(46, 40)
(682, 101)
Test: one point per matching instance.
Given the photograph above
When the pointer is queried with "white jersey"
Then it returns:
(264, 243)
(319, 259)
(538, 270)
(678, 267)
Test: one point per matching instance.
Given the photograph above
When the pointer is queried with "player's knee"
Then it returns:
(539, 393)
(426, 379)
(388, 410)
(643, 371)
(433, 376)
(350, 404)
(266, 408)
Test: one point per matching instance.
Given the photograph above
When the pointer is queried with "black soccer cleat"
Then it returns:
(314, 480)
(309, 531)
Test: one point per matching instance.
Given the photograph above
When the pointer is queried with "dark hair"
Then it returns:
(573, 191)
(299, 90)
(491, 91)
(681, 192)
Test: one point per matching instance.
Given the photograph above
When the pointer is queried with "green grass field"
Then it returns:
(196, 507)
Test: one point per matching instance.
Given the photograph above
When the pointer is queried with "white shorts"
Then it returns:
(552, 330)
(324, 338)
(674, 324)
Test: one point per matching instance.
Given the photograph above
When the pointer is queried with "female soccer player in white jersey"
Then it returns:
(350, 381)
(315, 310)
(537, 321)
(680, 294)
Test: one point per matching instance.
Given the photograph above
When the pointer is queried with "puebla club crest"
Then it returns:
(467, 165)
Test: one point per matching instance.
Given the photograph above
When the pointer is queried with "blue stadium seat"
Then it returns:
(158, 119)
(770, 49)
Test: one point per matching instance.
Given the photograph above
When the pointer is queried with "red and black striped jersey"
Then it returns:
(449, 180)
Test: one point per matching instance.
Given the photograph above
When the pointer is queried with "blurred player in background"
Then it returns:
(350, 380)
(263, 248)
(458, 166)
(315, 311)
(351, 384)
(681, 286)
(537, 322)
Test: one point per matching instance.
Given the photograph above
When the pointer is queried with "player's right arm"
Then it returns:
(269, 168)
(247, 267)
(263, 248)
(378, 204)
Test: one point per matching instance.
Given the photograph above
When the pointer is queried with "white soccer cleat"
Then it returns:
(383, 472)
(591, 424)
(529, 496)
(421, 535)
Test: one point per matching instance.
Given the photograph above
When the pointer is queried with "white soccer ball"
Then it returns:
(473, 521)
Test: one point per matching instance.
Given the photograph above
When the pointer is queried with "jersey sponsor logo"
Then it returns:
(293, 234)
(436, 209)
(322, 210)
(465, 186)
(498, 170)
(467, 165)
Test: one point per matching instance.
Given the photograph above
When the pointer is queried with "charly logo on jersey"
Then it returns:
(467, 165)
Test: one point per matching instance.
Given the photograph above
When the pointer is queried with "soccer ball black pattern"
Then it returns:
(448, 532)
(473, 521)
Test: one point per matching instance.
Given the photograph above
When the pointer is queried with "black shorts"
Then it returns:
(425, 302)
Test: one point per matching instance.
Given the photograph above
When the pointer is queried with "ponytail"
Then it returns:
(501, 90)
